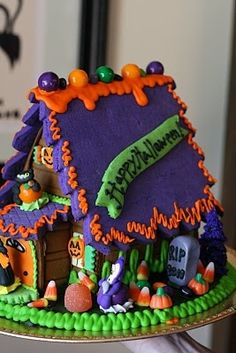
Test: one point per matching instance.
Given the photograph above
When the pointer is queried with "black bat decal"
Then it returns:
(10, 42)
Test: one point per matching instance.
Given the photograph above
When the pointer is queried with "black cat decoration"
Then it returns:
(10, 42)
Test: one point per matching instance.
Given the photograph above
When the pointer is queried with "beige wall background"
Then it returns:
(193, 41)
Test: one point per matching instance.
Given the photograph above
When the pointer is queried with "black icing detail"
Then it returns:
(13, 243)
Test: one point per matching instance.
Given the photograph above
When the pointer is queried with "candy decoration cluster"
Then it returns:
(49, 81)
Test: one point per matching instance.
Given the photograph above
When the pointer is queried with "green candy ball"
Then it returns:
(105, 74)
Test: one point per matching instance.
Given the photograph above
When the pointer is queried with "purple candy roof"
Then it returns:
(29, 225)
(169, 197)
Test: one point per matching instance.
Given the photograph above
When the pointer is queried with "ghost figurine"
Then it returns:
(113, 294)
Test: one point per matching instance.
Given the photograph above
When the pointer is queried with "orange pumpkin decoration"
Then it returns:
(76, 247)
(47, 157)
(29, 195)
(198, 285)
(161, 300)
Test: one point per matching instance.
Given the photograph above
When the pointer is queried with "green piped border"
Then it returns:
(35, 262)
(131, 320)
(59, 199)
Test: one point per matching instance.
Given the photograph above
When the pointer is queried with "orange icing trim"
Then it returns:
(83, 204)
(190, 140)
(22, 230)
(96, 228)
(66, 157)
(115, 234)
(90, 93)
(206, 172)
(188, 215)
(54, 128)
(72, 178)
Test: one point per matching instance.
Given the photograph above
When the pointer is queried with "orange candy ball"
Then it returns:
(78, 298)
(131, 71)
(78, 78)
(29, 195)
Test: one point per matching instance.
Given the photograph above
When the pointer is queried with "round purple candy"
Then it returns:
(155, 67)
(48, 81)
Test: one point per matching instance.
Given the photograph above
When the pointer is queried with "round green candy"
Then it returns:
(105, 74)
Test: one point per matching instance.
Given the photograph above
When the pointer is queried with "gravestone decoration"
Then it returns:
(183, 258)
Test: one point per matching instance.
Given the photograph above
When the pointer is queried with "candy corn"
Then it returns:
(142, 271)
(134, 291)
(200, 267)
(51, 291)
(209, 273)
(39, 303)
(86, 281)
(144, 297)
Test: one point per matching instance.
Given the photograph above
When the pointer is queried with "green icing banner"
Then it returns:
(135, 159)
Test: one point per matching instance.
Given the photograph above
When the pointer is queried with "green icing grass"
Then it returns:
(96, 321)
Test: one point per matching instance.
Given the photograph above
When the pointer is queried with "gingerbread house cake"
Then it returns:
(102, 206)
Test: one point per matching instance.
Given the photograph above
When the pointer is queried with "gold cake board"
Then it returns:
(219, 312)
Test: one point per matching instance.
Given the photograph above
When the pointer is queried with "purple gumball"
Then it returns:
(155, 67)
(48, 81)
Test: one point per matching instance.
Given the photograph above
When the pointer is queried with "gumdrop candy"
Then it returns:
(77, 298)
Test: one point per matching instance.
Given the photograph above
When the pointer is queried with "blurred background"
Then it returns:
(195, 41)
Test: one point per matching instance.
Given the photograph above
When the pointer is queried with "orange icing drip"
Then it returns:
(115, 234)
(83, 204)
(72, 178)
(54, 128)
(90, 93)
(66, 157)
(22, 230)
(4, 260)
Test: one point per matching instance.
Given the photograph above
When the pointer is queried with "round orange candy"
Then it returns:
(78, 78)
(78, 298)
(29, 195)
(131, 71)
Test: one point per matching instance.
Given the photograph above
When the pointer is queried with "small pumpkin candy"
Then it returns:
(198, 285)
(161, 300)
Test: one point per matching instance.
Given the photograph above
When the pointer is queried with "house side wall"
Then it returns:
(47, 178)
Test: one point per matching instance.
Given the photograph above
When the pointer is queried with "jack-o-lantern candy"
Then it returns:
(47, 157)
(76, 249)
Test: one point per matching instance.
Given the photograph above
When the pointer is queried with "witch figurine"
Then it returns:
(7, 277)
(113, 294)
